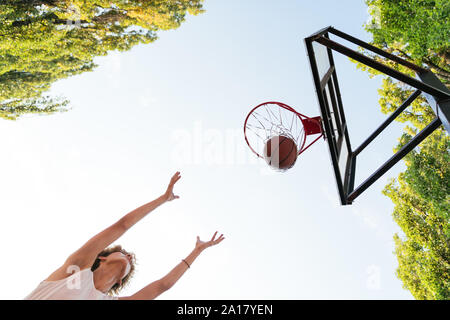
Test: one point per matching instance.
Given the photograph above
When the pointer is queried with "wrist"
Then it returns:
(197, 250)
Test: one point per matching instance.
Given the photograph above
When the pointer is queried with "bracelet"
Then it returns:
(186, 263)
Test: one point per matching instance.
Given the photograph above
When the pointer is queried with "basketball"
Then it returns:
(280, 152)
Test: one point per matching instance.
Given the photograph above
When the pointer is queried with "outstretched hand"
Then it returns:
(169, 195)
(202, 245)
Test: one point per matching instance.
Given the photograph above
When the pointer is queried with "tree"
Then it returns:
(418, 31)
(44, 41)
(44, 105)
(421, 196)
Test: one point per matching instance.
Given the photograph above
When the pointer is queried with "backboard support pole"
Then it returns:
(387, 122)
(376, 50)
(381, 67)
(414, 142)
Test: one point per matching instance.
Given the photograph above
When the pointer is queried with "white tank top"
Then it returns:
(78, 286)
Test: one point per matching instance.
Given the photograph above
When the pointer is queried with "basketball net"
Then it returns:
(272, 119)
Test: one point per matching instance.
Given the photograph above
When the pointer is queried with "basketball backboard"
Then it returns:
(320, 49)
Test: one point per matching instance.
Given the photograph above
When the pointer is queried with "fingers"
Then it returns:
(214, 241)
(218, 240)
(169, 192)
(175, 178)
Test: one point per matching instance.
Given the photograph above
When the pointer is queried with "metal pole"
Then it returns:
(387, 122)
(395, 158)
(319, 33)
(382, 68)
(377, 50)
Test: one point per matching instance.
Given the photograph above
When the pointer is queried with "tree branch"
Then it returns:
(404, 54)
(435, 66)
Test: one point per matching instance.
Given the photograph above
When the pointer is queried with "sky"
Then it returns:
(179, 104)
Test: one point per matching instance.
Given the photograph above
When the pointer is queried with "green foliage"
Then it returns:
(415, 29)
(45, 105)
(44, 41)
(422, 210)
(393, 94)
(418, 31)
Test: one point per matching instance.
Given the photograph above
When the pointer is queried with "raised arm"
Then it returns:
(86, 255)
(157, 287)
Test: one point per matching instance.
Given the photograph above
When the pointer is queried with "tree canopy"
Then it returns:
(42, 41)
(421, 196)
(417, 30)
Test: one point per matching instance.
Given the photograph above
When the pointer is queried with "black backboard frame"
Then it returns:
(343, 157)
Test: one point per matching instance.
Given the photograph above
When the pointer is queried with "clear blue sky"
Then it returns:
(179, 104)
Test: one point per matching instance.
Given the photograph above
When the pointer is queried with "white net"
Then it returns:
(273, 119)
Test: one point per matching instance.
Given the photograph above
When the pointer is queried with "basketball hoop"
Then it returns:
(276, 119)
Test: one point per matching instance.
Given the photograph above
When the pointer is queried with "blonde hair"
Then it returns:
(115, 289)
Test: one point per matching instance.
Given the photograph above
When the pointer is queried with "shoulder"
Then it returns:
(65, 271)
